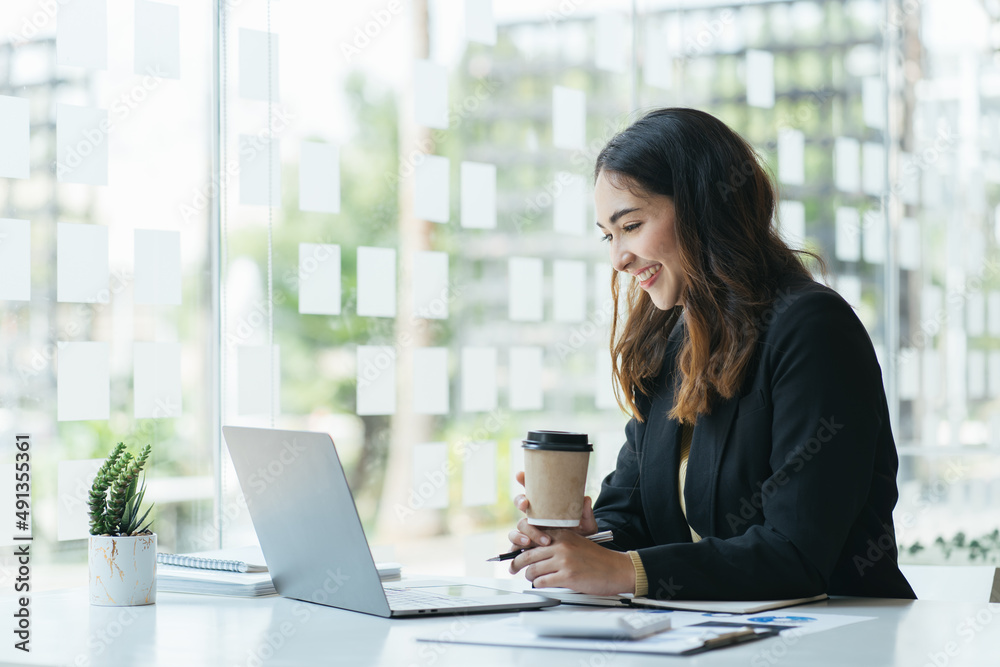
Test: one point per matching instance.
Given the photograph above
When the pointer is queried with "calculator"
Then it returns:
(630, 624)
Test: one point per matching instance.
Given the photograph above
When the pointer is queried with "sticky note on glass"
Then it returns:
(15, 137)
(909, 244)
(260, 171)
(658, 68)
(430, 90)
(760, 78)
(569, 291)
(15, 260)
(873, 238)
(569, 207)
(430, 189)
(524, 378)
(258, 78)
(157, 39)
(376, 390)
(847, 235)
(873, 168)
(611, 36)
(479, 379)
(479, 473)
(319, 279)
(908, 366)
(909, 177)
(792, 223)
(75, 480)
(976, 374)
(431, 293)
(569, 118)
(604, 389)
(81, 33)
(975, 314)
(603, 275)
(319, 177)
(83, 381)
(791, 156)
(82, 135)
(873, 102)
(479, 195)
(258, 379)
(524, 289)
(376, 282)
(157, 382)
(430, 475)
(82, 271)
(157, 267)
(479, 23)
(430, 381)
(845, 163)
(849, 287)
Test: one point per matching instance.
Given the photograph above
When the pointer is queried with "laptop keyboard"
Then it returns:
(411, 598)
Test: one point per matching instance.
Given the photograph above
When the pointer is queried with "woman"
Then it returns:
(759, 462)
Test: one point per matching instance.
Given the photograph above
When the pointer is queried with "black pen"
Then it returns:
(603, 536)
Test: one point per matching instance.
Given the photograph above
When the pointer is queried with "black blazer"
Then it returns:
(791, 484)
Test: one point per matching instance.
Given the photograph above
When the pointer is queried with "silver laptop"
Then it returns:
(312, 538)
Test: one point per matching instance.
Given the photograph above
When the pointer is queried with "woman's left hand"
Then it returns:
(572, 561)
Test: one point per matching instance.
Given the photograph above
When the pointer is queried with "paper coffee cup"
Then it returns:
(555, 477)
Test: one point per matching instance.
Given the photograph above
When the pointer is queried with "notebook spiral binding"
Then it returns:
(202, 563)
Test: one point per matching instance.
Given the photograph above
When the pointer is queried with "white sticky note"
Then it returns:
(83, 381)
(569, 118)
(82, 135)
(569, 206)
(658, 69)
(82, 271)
(994, 373)
(603, 275)
(479, 195)
(524, 289)
(376, 282)
(873, 168)
(430, 475)
(849, 287)
(516, 451)
(931, 303)
(81, 33)
(791, 156)
(430, 90)
(74, 481)
(319, 177)
(319, 279)
(157, 384)
(431, 292)
(258, 370)
(846, 168)
(604, 388)
(479, 379)
(993, 313)
(792, 223)
(873, 102)
(611, 52)
(524, 378)
(15, 260)
(430, 380)
(760, 79)
(569, 290)
(909, 244)
(431, 193)
(479, 474)
(256, 178)
(15, 137)
(909, 376)
(931, 374)
(910, 179)
(873, 236)
(847, 235)
(480, 25)
(976, 374)
(975, 314)
(376, 391)
(255, 83)
(157, 267)
(157, 39)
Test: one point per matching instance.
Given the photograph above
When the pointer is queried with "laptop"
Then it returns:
(312, 538)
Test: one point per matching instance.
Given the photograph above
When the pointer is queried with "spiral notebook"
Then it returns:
(208, 561)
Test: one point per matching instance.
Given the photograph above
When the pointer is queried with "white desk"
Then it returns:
(187, 630)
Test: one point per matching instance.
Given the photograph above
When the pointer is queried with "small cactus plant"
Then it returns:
(116, 495)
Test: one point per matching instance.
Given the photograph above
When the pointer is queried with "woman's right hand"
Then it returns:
(526, 535)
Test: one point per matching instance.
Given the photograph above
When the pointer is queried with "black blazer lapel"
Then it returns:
(708, 446)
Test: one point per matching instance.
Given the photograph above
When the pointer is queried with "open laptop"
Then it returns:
(312, 538)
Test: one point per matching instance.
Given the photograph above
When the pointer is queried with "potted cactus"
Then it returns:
(122, 551)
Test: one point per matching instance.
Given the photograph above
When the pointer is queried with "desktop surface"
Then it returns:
(189, 630)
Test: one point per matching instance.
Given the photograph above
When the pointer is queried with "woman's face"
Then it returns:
(640, 232)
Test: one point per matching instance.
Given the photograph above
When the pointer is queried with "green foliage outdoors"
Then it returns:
(116, 495)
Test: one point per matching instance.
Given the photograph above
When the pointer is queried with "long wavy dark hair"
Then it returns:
(730, 252)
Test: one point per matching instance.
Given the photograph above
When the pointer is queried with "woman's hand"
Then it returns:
(575, 562)
(526, 535)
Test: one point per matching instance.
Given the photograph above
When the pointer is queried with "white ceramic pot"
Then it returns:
(122, 570)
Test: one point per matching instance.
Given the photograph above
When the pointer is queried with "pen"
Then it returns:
(603, 536)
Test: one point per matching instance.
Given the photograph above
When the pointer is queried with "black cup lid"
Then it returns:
(563, 441)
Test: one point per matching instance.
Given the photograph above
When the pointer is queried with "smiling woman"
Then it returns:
(759, 461)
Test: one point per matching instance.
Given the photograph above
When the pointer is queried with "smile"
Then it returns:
(647, 277)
